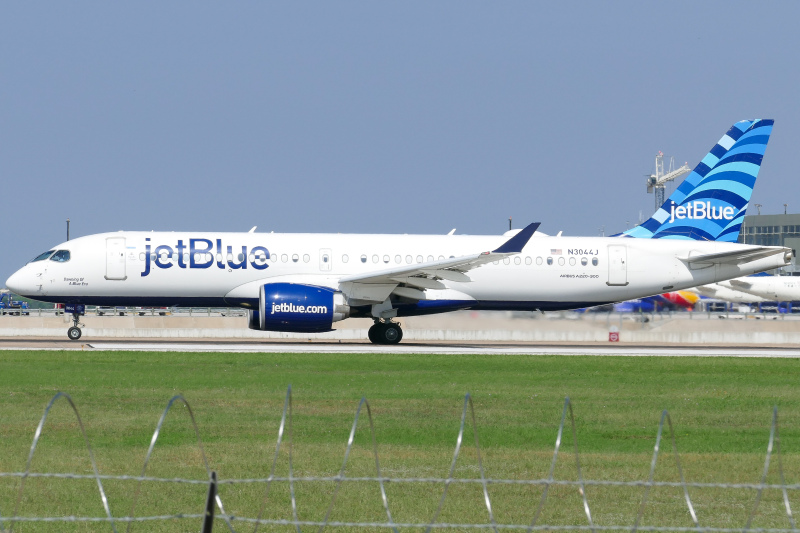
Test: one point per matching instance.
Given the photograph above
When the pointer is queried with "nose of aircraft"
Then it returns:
(17, 283)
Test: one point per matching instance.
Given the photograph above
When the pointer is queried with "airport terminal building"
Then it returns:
(773, 230)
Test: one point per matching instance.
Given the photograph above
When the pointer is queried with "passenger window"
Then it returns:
(409, 259)
(345, 259)
(539, 261)
(430, 258)
(528, 261)
(506, 261)
(141, 256)
(306, 258)
(398, 259)
(419, 259)
(374, 258)
(296, 258)
(43, 256)
(385, 258)
(572, 261)
(584, 261)
(284, 258)
(517, 260)
(61, 256)
(441, 258)
(561, 261)
(549, 260)
(594, 261)
(363, 258)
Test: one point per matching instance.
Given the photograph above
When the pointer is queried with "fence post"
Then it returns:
(208, 519)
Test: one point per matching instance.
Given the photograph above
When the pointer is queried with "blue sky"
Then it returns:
(361, 117)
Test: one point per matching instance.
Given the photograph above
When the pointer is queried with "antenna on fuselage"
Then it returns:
(253, 229)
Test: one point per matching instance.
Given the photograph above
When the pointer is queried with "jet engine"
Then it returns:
(298, 308)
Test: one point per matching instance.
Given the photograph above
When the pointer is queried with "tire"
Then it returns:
(391, 334)
(74, 333)
(372, 333)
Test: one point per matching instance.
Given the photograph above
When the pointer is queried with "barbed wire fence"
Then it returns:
(214, 511)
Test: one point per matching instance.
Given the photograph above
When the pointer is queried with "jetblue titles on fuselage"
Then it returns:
(201, 254)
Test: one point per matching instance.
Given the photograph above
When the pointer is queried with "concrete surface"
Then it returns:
(471, 327)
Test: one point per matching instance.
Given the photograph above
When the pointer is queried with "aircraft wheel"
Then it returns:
(74, 333)
(373, 333)
(391, 333)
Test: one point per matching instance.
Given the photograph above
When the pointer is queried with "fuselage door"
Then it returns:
(617, 264)
(325, 259)
(115, 258)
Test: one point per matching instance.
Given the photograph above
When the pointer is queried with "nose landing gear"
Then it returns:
(385, 332)
(74, 333)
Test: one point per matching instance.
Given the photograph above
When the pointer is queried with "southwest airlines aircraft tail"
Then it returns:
(307, 282)
(711, 202)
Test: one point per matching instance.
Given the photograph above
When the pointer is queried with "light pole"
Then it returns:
(784, 208)
(758, 206)
(67, 229)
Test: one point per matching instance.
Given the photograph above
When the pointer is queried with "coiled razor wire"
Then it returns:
(285, 430)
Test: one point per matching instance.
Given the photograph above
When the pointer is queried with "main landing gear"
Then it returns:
(385, 332)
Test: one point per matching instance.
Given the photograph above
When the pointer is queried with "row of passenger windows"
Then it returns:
(63, 256)
(295, 258)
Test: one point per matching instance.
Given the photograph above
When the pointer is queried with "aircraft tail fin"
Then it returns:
(711, 202)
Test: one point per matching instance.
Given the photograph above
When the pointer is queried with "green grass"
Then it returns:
(721, 409)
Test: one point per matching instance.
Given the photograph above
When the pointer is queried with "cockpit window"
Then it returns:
(43, 256)
(61, 256)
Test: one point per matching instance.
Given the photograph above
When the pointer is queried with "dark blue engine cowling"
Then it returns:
(298, 308)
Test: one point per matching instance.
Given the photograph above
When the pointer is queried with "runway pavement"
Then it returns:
(442, 348)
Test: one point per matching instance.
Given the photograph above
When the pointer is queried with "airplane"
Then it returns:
(717, 291)
(770, 288)
(307, 282)
(661, 302)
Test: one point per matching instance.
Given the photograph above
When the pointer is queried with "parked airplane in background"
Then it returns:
(306, 282)
(770, 288)
(661, 302)
(718, 292)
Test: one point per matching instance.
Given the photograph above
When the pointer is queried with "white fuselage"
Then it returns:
(227, 269)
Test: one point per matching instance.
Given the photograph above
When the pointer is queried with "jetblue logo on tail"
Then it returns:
(711, 202)
(700, 211)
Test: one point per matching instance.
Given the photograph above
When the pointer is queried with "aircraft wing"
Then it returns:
(378, 285)
(737, 257)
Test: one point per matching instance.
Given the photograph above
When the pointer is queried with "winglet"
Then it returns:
(515, 244)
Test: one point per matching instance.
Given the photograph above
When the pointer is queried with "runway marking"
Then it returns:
(631, 351)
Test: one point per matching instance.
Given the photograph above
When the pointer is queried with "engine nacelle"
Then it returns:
(297, 308)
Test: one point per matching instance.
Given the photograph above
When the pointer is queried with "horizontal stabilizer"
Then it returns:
(739, 284)
(738, 257)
